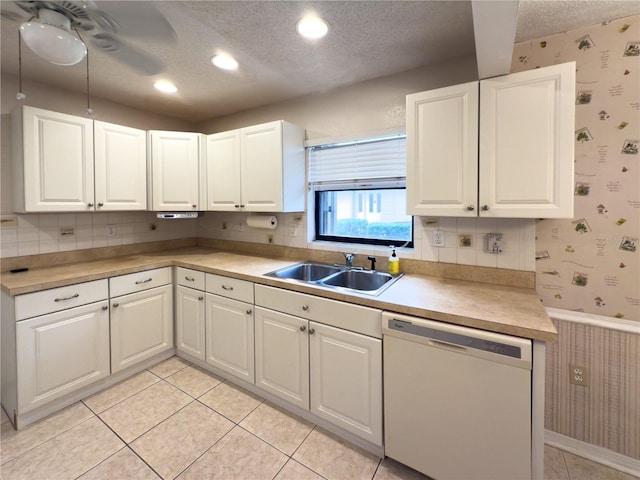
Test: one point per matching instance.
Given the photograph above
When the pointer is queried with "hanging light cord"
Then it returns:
(89, 110)
(20, 95)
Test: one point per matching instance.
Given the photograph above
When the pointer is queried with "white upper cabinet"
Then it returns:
(524, 165)
(120, 167)
(442, 143)
(53, 161)
(176, 170)
(223, 171)
(526, 143)
(58, 157)
(257, 169)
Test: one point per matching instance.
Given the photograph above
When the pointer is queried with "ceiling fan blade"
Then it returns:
(133, 58)
(132, 19)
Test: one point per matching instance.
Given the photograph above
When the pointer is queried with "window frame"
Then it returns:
(358, 240)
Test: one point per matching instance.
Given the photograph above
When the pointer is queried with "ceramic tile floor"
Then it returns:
(176, 421)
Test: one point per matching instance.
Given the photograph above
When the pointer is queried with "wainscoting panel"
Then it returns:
(606, 412)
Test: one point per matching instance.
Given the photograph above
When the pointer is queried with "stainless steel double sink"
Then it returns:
(352, 279)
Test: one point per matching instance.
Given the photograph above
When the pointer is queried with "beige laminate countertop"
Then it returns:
(509, 310)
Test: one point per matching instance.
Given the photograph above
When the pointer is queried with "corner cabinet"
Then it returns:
(141, 316)
(57, 159)
(524, 165)
(176, 170)
(257, 169)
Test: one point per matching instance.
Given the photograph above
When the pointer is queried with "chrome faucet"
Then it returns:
(349, 258)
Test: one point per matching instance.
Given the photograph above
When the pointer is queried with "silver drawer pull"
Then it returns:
(67, 298)
(144, 281)
(249, 311)
(190, 279)
(105, 308)
(116, 305)
(200, 298)
(227, 287)
(302, 328)
(312, 331)
(305, 308)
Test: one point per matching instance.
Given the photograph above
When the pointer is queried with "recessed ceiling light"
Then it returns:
(224, 61)
(166, 87)
(312, 27)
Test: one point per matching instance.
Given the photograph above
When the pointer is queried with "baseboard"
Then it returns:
(593, 452)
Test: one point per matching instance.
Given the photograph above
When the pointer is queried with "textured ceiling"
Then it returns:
(367, 39)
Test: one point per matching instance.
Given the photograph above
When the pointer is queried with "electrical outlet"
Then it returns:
(438, 238)
(293, 229)
(578, 375)
(270, 238)
(111, 230)
(67, 231)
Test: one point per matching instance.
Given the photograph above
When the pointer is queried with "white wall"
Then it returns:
(376, 104)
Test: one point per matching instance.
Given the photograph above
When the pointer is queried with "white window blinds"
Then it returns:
(371, 163)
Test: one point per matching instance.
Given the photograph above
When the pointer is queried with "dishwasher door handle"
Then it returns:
(450, 346)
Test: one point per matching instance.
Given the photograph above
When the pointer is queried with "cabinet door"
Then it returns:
(61, 352)
(175, 158)
(58, 161)
(120, 167)
(223, 171)
(141, 326)
(346, 380)
(190, 322)
(229, 336)
(261, 167)
(442, 151)
(282, 356)
(526, 143)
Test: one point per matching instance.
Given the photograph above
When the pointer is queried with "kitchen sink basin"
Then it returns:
(307, 272)
(344, 278)
(362, 280)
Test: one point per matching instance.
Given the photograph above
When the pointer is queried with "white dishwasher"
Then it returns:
(457, 400)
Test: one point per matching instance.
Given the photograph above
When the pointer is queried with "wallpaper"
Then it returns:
(591, 263)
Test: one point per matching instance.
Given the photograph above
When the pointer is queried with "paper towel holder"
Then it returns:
(269, 222)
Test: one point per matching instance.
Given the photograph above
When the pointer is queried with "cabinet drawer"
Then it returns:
(136, 282)
(56, 299)
(190, 278)
(356, 318)
(230, 287)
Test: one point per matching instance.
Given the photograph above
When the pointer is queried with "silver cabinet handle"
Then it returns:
(194, 205)
(67, 298)
(305, 308)
(485, 207)
(105, 308)
(302, 328)
(249, 311)
(200, 298)
(144, 281)
(312, 331)
(116, 305)
(237, 205)
(190, 279)
(227, 287)
(89, 204)
(100, 204)
(471, 208)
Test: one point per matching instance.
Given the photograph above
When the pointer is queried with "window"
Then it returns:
(359, 192)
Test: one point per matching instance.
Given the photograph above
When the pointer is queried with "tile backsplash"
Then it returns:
(465, 238)
(294, 230)
(47, 233)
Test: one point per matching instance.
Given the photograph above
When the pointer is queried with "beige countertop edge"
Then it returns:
(458, 302)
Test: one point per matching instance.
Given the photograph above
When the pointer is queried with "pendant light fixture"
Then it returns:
(51, 38)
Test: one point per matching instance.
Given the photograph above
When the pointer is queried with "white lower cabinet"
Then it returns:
(334, 373)
(141, 326)
(190, 326)
(61, 352)
(229, 336)
(282, 356)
